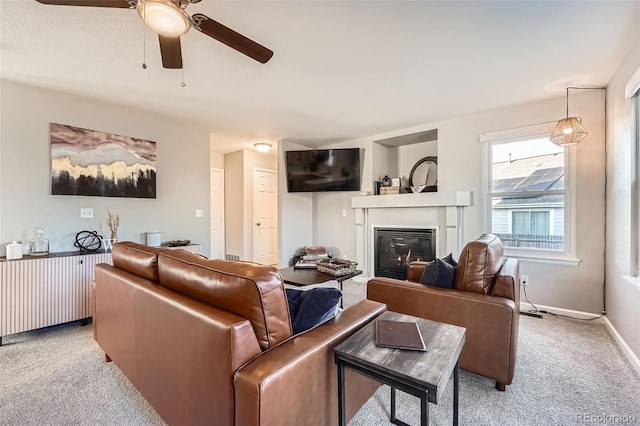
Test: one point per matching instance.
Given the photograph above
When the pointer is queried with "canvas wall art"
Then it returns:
(88, 162)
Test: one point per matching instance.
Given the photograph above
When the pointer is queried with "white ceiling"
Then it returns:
(341, 70)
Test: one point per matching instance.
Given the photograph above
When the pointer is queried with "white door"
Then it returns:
(217, 213)
(265, 217)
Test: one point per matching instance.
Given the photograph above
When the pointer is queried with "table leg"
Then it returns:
(424, 406)
(342, 298)
(342, 421)
(393, 405)
(455, 394)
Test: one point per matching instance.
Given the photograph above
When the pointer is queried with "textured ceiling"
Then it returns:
(341, 70)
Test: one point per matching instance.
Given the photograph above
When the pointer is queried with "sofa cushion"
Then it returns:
(439, 273)
(136, 258)
(309, 308)
(479, 263)
(251, 290)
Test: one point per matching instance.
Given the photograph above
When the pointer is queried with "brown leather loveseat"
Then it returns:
(485, 300)
(210, 341)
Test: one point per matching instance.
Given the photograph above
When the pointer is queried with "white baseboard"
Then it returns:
(626, 350)
(524, 307)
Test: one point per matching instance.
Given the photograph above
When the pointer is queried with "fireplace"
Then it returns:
(395, 248)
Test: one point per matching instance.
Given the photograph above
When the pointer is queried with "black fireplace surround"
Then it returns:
(395, 248)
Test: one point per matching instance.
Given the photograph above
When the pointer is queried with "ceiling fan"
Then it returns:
(169, 19)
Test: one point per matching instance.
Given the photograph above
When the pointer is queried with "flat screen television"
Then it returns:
(319, 170)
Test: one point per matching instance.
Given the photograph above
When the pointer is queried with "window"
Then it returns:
(635, 185)
(632, 93)
(528, 192)
(530, 222)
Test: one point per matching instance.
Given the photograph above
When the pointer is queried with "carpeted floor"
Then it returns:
(568, 372)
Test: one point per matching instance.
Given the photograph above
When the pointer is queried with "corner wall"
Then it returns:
(622, 291)
(460, 163)
(25, 171)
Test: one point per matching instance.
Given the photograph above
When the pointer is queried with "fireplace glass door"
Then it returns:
(395, 248)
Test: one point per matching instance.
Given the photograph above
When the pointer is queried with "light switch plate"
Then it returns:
(86, 213)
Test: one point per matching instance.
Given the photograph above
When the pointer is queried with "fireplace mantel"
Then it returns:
(423, 199)
(441, 210)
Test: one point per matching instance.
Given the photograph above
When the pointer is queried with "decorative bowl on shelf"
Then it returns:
(177, 243)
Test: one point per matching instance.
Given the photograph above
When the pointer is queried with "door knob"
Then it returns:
(259, 223)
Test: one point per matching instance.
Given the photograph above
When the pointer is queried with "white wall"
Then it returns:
(239, 167)
(25, 171)
(577, 288)
(622, 294)
(295, 212)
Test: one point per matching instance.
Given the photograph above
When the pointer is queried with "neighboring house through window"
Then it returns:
(528, 190)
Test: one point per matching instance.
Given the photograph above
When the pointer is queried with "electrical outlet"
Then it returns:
(199, 213)
(86, 213)
(524, 279)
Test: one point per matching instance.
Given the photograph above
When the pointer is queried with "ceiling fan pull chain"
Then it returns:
(182, 83)
(144, 43)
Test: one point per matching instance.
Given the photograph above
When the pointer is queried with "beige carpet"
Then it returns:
(568, 372)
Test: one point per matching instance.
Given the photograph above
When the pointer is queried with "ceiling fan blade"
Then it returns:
(231, 38)
(171, 52)
(125, 4)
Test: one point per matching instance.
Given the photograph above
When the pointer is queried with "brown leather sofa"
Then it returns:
(210, 341)
(485, 300)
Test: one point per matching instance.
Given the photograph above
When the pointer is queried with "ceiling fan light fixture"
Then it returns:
(262, 146)
(164, 17)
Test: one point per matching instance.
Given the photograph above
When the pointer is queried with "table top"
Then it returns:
(429, 370)
(303, 276)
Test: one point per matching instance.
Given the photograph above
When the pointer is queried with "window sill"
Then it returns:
(566, 261)
(634, 281)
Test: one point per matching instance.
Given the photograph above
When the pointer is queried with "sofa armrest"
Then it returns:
(302, 372)
(415, 270)
(491, 321)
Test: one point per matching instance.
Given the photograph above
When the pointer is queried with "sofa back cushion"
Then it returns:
(251, 290)
(136, 258)
(479, 263)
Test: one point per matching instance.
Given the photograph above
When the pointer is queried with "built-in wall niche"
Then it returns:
(398, 156)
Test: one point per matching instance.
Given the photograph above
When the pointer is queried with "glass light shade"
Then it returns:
(568, 131)
(262, 146)
(164, 17)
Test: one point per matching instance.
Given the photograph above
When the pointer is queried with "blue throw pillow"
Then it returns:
(312, 307)
(439, 273)
(449, 259)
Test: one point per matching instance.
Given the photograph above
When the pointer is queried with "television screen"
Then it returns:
(323, 170)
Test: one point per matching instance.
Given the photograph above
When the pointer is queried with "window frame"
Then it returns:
(538, 131)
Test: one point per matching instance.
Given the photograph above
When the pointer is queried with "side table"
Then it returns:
(422, 374)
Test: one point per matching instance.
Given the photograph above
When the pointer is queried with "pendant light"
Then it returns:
(568, 131)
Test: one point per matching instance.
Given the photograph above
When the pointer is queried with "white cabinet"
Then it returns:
(38, 292)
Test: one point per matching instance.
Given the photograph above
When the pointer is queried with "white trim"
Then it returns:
(525, 307)
(528, 132)
(633, 86)
(634, 281)
(566, 261)
(626, 350)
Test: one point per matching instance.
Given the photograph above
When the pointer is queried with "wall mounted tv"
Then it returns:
(319, 170)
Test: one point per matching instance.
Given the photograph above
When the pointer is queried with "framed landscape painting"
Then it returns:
(88, 162)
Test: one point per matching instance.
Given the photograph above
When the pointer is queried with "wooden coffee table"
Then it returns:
(422, 374)
(301, 277)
